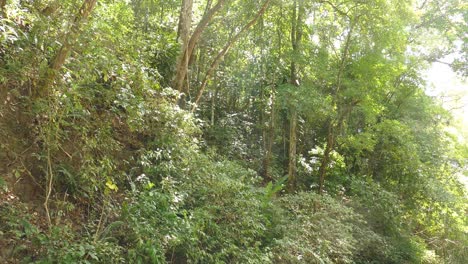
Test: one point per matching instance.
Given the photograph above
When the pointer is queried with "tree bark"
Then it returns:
(183, 35)
(296, 38)
(59, 59)
(269, 140)
(214, 98)
(2, 8)
(187, 51)
(326, 157)
(225, 50)
(185, 22)
(292, 150)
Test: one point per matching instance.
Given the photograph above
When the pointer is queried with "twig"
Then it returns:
(49, 187)
(96, 235)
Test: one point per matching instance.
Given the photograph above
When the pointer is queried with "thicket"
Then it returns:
(314, 141)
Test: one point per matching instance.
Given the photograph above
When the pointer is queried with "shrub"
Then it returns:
(321, 229)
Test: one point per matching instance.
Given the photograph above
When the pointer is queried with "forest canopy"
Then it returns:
(230, 131)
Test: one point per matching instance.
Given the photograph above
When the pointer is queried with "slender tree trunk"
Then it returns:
(185, 22)
(213, 105)
(265, 162)
(200, 63)
(332, 126)
(225, 50)
(326, 157)
(183, 35)
(285, 127)
(187, 51)
(212, 109)
(59, 59)
(49, 77)
(292, 150)
(269, 140)
(2, 8)
(296, 37)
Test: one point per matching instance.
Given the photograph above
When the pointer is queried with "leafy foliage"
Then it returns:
(108, 165)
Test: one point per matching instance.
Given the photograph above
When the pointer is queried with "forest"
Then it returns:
(231, 131)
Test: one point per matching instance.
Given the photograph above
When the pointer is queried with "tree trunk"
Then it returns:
(225, 50)
(296, 37)
(326, 158)
(183, 35)
(59, 59)
(187, 51)
(2, 8)
(213, 105)
(292, 150)
(269, 140)
(332, 126)
(47, 80)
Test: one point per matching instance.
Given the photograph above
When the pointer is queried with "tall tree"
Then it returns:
(225, 50)
(191, 40)
(335, 125)
(47, 80)
(67, 44)
(297, 20)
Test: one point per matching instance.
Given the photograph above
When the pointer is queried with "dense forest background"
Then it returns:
(230, 131)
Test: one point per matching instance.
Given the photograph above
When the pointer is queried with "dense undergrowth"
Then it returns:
(168, 201)
(107, 167)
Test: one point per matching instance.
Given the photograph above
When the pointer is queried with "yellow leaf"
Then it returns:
(112, 186)
(149, 185)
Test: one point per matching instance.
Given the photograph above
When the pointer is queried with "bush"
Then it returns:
(25, 242)
(320, 229)
(230, 223)
(213, 214)
(151, 224)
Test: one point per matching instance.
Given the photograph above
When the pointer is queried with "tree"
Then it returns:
(191, 40)
(225, 50)
(297, 20)
(69, 40)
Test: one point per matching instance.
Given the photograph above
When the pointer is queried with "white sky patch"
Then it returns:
(451, 89)
(453, 92)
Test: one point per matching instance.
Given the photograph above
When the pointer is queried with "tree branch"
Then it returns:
(225, 50)
(59, 59)
(182, 66)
